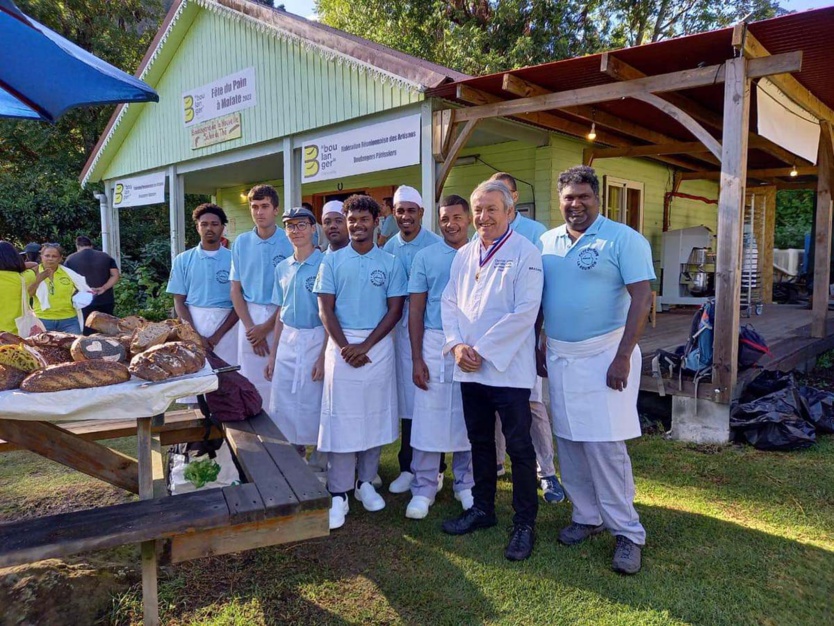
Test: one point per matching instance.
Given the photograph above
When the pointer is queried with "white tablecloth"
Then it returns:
(132, 399)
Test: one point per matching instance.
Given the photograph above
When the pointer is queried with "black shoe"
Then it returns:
(521, 542)
(469, 521)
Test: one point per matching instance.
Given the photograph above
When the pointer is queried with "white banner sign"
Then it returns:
(139, 190)
(231, 93)
(372, 148)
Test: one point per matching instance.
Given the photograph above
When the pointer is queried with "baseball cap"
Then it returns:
(299, 213)
(31, 247)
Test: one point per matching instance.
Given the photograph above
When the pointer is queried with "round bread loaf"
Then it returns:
(8, 339)
(51, 339)
(148, 336)
(76, 375)
(11, 377)
(103, 323)
(98, 348)
(50, 355)
(167, 361)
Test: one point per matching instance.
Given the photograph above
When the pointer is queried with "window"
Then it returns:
(623, 201)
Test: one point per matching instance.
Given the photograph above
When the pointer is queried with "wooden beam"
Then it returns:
(674, 81)
(442, 125)
(684, 119)
(756, 174)
(675, 147)
(730, 211)
(620, 70)
(766, 246)
(525, 89)
(822, 239)
(89, 457)
(790, 86)
(452, 156)
(150, 598)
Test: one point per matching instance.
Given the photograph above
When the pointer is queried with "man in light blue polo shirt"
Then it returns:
(296, 361)
(408, 211)
(540, 431)
(361, 290)
(199, 283)
(597, 297)
(387, 222)
(255, 255)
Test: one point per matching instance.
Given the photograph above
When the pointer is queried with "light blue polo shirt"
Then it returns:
(362, 284)
(293, 291)
(430, 274)
(202, 278)
(405, 251)
(585, 282)
(531, 230)
(388, 226)
(254, 261)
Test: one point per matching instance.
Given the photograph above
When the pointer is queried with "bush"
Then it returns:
(141, 290)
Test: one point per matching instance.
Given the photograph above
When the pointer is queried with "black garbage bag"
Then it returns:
(766, 383)
(820, 405)
(777, 421)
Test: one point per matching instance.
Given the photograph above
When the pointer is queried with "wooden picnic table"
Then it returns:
(282, 500)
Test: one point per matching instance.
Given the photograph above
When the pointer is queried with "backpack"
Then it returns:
(697, 353)
(751, 347)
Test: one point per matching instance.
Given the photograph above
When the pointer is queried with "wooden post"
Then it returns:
(150, 600)
(730, 211)
(428, 167)
(176, 211)
(766, 241)
(822, 239)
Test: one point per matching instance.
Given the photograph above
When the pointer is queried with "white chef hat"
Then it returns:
(408, 194)
(334, 206)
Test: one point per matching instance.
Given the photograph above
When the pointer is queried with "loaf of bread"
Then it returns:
(149, 336)
(10, 377)
(8, 339)
(21, 357)
(103, 323)
(98, 348)
(167, 361)
(76, 375)
(130, 323)
(50, 355)
(51, 339)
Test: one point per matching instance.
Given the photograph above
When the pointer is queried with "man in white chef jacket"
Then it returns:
(596, 302)
(489, 310)
(361, 290)
(437, 424)
(411, 238)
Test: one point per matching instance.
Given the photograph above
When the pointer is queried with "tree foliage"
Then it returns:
(794, 215)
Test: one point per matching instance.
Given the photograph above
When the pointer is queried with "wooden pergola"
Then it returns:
(686, 103)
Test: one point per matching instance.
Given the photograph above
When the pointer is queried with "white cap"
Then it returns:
(334, 206)
(408, 194)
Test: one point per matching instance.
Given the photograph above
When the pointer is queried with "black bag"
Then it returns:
(766, 383)
(777, 421)
(751, 347)
(820, 405)
(235, 400)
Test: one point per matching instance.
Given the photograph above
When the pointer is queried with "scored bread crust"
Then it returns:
(8, 339)
(50, 355)
(98, 348)
(51, 339)
(75, 375)
(167, 361)
(103, 323)
(11, 377)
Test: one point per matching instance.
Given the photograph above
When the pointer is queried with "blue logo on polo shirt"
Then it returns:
(277, 259)
(587, 258)
(222, 277)
(378, 278)
(311, 280)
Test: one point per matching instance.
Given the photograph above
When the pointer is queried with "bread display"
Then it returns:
(98, 348)
(52, 339)
(167, 361)
(75, 375)
(10, 377)
(149, 336)
(8, 339)
(19, 357)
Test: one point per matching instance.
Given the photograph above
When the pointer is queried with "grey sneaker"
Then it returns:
(627, 556)
(577, 533)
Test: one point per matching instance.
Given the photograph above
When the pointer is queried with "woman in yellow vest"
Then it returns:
(53, 290)
(13, 280)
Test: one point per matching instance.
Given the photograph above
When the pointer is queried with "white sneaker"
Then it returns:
(377, 482)
(338, 510)
(370, 499)
(439, 482)
(465, 498)
(401, 483)
(418, 508)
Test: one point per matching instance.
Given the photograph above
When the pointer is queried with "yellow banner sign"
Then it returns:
(214, 131)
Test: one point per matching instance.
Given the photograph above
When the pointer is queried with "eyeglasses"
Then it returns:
(300, 226)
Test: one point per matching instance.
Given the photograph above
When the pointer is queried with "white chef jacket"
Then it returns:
(496, 313)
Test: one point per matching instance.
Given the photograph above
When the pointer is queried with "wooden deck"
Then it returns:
(785, 327)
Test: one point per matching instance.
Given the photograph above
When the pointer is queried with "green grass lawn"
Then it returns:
(735, 536)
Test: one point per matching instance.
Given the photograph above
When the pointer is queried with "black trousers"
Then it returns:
(101, 308)
(480, 403)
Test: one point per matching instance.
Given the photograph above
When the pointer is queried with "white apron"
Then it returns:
(438, 424)
(405, 384)
(251, 365)
(583, 407)
(295, 400)
(358, 404)
(206, 321)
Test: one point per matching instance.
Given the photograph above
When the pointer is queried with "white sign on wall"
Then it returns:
(139, 190)
(372, 148)
(231, 93)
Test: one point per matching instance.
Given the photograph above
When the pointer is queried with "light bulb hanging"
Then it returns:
(794, 172)
(592, 134)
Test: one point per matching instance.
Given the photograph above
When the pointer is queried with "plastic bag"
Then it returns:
(777, 421)
(181, 480)
(767, 382)
(820, 405)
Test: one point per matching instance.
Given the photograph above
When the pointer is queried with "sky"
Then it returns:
(304, 8)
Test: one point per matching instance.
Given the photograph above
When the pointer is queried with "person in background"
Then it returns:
(388, 224)
(335, 226)
(255, 255)
(200, 285)
(540, 430)
(31, 255)
(319, 240)
(361, 291)
(14, 282)
(597, 296)
(53, 290)
(437, 424)
(101, 273)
